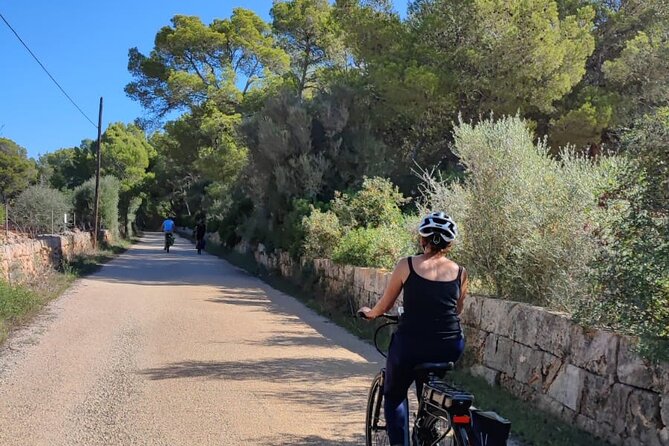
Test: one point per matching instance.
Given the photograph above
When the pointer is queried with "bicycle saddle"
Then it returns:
(437, 368)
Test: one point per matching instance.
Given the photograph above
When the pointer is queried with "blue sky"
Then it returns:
(85, 47)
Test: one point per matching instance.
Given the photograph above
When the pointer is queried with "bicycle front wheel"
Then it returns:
(375, 425)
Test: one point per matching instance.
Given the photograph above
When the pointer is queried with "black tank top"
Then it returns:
(430, 307)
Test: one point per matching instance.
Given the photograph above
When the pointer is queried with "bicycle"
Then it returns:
(169, 241)
(445, 416)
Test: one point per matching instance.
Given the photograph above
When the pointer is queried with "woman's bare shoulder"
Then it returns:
(403, 263)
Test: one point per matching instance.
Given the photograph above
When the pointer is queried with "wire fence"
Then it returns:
(17, 224)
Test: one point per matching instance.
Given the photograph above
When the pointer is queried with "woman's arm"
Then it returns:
(464, 287)
(391, 293)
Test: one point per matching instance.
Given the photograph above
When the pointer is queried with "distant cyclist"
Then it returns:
(200, 232)
(168, 228)
(429, 329)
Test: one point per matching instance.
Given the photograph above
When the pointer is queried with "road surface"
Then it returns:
(181, 349)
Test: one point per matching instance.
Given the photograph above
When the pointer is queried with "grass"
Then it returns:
(86, 264)
(20, 303)
(529, 425)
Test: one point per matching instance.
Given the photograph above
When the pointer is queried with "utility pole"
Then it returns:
(96, 220)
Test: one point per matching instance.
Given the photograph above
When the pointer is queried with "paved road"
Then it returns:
(181, 349)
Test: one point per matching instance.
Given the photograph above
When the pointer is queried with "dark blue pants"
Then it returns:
(404, 354)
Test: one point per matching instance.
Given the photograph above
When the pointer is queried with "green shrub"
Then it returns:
(40, 210)
(231, 226)
(15, 302)
(289, 236)
(84, 197)
(632, 270)
(322, 232)
(527, 220)
(378, 247)
(377, 203)
(362, 228)
(131, 215)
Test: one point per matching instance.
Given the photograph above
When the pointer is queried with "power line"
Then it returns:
(47, 71)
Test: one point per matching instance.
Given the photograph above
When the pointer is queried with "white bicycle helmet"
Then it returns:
(438, 225)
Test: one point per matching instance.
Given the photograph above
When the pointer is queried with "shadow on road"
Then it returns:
(285, 369)
(317, 375)
(147, 264)
(294, 312)
(311, 440)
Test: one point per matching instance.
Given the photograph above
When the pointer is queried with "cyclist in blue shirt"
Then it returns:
(168, 228)
(429, 329)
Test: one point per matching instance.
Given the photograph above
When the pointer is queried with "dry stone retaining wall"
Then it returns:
(591, 378)
(20, 262)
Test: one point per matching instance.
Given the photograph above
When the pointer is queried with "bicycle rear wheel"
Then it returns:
(375, 425)
(462, 436)
(433, 431)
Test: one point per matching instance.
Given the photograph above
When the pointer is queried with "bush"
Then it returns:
(84, 198)
(378, 247)
(239, 212)
(527, 220)
(289, 236)
(363, 228)
(376, 204)
(633, 268)
(40, 210)
(133, 206)
(322, 234)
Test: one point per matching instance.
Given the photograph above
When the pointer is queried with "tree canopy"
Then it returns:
(17, 171)
(193, 63)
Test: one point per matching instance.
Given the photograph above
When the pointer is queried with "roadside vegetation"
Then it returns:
(20, 303)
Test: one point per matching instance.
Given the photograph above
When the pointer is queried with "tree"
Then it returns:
(625, 76)
(544, 54)
(640, 72)
(125, 153)
(200, 150)
(17, 171)
(84, 199)
(192, 63)
(444, 60)
(308, 32)
(69, 167)
(398, 94)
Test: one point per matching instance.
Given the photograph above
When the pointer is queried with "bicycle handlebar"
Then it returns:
(390, 317)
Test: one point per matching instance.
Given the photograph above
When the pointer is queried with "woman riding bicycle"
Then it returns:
(429, 330)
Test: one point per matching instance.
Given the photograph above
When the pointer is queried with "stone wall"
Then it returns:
(591, 378)
(20, 262)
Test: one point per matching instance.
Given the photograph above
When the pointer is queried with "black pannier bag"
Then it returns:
(489, 428)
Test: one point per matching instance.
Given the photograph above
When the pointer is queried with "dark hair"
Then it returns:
(436, 243)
